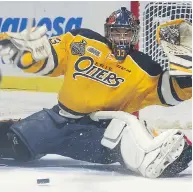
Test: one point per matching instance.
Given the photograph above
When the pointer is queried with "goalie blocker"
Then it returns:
(103, 137)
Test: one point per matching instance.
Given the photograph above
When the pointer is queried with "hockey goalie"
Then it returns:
(105, 80)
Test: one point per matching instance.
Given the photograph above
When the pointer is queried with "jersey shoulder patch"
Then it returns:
(146, 63)
(90, 35)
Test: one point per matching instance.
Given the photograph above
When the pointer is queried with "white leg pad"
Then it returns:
(140, 152)
(151, 161)
(132, 153)
(113, 133)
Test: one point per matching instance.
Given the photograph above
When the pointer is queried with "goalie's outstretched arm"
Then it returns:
(41, 55)
(167, 90)
(163, 89)
(175, 85)
(173, 90)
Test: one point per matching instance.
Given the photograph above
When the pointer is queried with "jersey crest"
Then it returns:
(96, 73)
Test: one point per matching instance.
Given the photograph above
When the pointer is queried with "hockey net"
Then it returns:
(151, 15)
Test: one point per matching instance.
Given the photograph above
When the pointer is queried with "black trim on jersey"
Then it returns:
(184, 82)
(145, 62)
(91, 35)
(71, 111)
(24, 67)
(160, 92)
(19, 64)
(55, 57)
(174, 94)
(43, 66)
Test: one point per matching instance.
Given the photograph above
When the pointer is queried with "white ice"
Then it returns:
(66, 174)
(74, 176)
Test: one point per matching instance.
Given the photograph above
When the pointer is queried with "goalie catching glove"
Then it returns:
(37, 44)
(175, 38)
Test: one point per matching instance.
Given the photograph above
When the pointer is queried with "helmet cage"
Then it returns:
(123, 40)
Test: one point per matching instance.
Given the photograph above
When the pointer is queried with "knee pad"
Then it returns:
(131, 136)
(4, 129)
(6, 150)
(10, 145)
(20, 151)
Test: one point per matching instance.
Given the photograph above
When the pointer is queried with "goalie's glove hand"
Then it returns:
(36, 43)
(170, 34)
(175, 38)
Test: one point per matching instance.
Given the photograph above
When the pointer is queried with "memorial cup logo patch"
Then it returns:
(78, 48)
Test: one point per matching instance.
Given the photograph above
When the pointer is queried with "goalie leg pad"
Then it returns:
(164, 151)
(140, 152)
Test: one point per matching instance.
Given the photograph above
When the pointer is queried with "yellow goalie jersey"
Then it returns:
(94, 80)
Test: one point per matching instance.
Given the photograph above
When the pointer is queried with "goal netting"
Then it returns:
(151, 15)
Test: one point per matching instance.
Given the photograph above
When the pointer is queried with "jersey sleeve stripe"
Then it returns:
(165, 91)
(34, 67)
(50, 65)
(21, 66)
(43, 66)
(25, 67)
(159, 91)
(55, 58)
(175, 95)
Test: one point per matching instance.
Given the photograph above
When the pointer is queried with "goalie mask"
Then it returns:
(122, 30)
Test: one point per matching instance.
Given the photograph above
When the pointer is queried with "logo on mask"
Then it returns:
(96, 73)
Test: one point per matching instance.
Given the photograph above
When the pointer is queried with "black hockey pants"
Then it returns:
(46, 132)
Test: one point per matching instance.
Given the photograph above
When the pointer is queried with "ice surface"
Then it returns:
(66, 174)
(75, 176)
